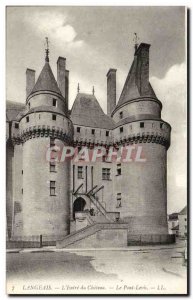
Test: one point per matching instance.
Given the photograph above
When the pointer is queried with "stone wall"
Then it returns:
(137, 108)
(43, 213)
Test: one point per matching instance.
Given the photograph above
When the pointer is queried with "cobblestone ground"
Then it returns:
(142, 270)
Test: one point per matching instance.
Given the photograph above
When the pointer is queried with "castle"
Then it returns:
(93, 204)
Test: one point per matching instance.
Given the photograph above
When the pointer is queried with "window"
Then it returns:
(118, 169)
(52, 188)
(29, 105)
(52, 167)
(93, 131)
(16, 125)
(121, 115)
(52, 142)
(54, 102)
(106, 173)
(54, 117)
(141, 124)
(107, 133)
(118, 200)
(80, 157)
(27, 119)
(80, 172)
(105, 157)
(78, 129)
(161, 125)
(121, 129)
(22, 191)
(22, 172)
(39, 116)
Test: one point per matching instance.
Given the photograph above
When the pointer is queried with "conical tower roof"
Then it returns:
(46, 81)
(137, 83)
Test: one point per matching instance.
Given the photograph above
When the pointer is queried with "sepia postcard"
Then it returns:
(96, 150)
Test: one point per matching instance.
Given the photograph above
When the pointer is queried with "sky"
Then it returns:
(94, 39)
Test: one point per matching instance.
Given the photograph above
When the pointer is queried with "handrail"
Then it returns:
(102, 210)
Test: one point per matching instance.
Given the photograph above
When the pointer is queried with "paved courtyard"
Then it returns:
(143, 270)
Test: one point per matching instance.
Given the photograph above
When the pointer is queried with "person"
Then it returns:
(92, 211)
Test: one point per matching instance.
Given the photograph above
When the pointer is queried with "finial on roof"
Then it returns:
(47, 49)
(93, 91)
(136, 39)
(78, 88)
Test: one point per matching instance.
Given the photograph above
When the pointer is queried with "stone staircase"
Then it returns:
(97, 235)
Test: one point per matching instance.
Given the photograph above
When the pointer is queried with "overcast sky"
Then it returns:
(94, 39)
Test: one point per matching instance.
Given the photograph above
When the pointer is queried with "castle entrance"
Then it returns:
(79, 205)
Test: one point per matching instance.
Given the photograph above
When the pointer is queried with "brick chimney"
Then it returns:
(30, 81)
(61, 68)
(111, 91)
(142, 76)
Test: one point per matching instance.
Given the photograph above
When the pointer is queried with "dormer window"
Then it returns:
(54, 117)
(121, 115)
(27, 119)
(54, 102)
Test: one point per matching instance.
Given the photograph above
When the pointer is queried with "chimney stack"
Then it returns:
(67, 87)
(111, 91)
(30, 81)
(142, 54)
(61, 68)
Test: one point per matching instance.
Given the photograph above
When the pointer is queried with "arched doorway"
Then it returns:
(79, 205)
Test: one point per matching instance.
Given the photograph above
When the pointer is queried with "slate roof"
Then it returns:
(13, 109)
(131, 90)
(183, 211)
(46, 81)
(86, 111)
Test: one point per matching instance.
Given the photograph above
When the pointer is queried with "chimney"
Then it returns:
(111, 91)
(67, 87)
(61, 68)
(30, 81)
(142, 77)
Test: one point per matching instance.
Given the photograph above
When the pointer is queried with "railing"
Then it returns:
(111, 216)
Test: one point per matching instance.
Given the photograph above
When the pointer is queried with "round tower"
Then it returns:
(143, 181)
(45, 207)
